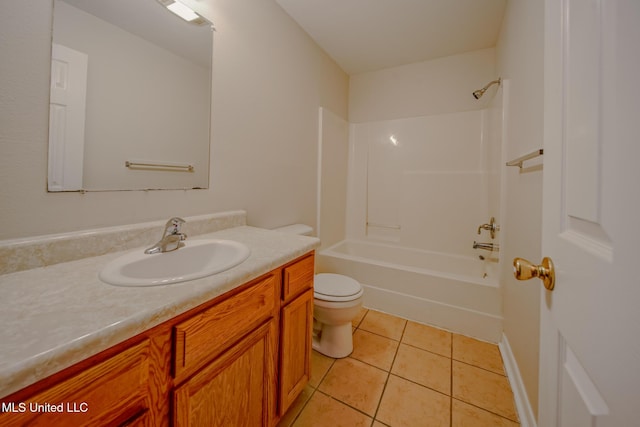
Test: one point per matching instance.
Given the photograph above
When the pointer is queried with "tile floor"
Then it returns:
(402, 373)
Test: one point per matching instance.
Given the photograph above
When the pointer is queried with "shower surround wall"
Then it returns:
(421, 182)
(421, 150)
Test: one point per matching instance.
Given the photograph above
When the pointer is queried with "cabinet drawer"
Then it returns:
(205, 335)
(297, 278)
(110, 393)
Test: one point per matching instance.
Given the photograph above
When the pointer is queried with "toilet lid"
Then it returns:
(336, 287)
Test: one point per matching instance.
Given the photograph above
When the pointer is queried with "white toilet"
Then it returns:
(337, 301)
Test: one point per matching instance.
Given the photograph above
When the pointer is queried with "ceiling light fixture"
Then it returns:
(183, 11)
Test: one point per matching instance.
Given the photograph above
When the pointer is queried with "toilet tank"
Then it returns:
(301, 229)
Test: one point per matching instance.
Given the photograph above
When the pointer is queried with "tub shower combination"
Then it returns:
(417, 190)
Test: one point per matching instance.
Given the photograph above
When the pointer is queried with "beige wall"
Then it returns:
(269, 78)
(520, 61)
(442, 85)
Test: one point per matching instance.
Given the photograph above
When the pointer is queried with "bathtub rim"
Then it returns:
(489, 281)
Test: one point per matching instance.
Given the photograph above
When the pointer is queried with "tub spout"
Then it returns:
(493, 247)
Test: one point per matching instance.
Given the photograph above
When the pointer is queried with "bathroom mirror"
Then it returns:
(130, 104)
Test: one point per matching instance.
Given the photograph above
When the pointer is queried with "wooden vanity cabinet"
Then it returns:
(296, 323)
(242, 385)
(240, 359)
(228, 353)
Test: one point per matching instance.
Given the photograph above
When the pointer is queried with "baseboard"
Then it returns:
(525, 412)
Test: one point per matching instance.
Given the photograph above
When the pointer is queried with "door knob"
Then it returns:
(524, 270)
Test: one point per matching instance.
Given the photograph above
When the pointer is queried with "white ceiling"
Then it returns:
(368, 35)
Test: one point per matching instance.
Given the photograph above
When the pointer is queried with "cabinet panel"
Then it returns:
(200, 338)
(295, 350)
(297, 277)
(235, 389)
(109, 393)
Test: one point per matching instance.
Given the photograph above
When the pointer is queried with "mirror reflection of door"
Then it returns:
(67, 118)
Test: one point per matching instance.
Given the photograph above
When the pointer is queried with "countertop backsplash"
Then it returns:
(41, 251)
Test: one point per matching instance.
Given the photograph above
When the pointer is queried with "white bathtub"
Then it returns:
(457, 293)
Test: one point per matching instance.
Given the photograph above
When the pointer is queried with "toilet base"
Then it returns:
(335, 341)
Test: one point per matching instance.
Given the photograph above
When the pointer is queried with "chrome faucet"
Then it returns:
(171, 238)
(494, 247)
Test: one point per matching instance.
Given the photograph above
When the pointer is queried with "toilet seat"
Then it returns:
(336, 288)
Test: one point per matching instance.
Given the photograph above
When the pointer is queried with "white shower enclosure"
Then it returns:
(418, 188)
(421, 182)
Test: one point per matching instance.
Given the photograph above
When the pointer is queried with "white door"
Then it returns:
(67, 118)
(590, 322)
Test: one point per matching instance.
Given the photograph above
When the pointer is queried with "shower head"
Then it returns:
(478, 93)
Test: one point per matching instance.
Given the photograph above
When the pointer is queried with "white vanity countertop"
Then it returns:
(56, 316)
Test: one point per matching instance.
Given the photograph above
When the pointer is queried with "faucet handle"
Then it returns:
(492, 227)
(173, 226)
(483, 227)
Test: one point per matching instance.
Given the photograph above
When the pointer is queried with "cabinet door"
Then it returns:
(295, 350)
(235, 389)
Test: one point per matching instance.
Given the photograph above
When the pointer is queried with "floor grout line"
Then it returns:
(395, 355)
(479, 367)
(376, 334)
(315, 389)
(484, 409)
(347, 404)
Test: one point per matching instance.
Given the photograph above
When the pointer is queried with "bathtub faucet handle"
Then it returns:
(492, 227)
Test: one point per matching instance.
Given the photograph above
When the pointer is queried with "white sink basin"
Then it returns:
(197, 259)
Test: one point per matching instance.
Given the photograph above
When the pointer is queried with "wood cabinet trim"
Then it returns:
(295, 348)
(206, 334)
(297, 277)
